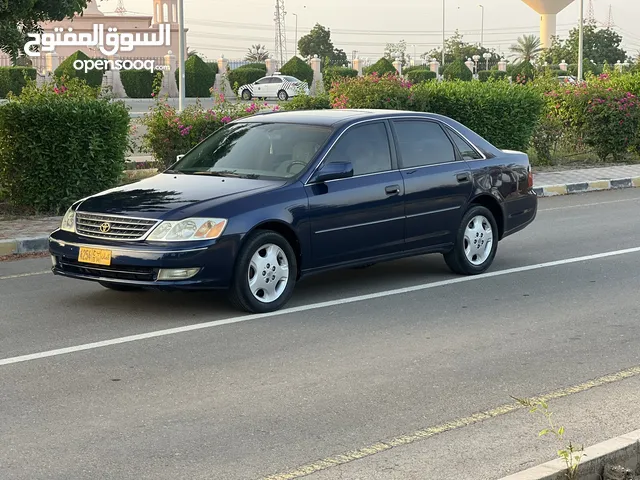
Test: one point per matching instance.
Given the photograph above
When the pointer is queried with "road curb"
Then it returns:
(19, 246)
(584, 187)
(623, 451)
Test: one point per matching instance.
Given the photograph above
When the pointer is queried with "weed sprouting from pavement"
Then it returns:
(568, 452)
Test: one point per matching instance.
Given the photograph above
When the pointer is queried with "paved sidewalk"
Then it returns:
(30, 235)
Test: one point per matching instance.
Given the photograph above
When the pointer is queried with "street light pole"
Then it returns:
(581, 43)
(444, 37)
(296, 45)
(181, 59)
(482, 28)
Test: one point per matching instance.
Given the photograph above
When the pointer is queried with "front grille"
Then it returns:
(144, 274)
(113, 227)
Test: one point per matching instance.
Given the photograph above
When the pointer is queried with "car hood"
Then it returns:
(165, 193)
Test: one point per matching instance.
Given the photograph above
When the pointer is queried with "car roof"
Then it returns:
(338, 118)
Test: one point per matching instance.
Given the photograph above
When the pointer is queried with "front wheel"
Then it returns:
(265, 273)
(282, 95)
(476, 243)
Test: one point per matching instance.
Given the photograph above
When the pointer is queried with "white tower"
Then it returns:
(548, 10)
(92, 10)
(165, 11)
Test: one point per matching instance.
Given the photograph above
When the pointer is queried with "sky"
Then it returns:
(221, 27)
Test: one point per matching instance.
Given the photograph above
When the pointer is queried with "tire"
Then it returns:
(477, 222)
(246, 94)
(257, 245)
(283, 96)
(118, 287)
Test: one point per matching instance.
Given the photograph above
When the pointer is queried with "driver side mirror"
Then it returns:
(333, 171)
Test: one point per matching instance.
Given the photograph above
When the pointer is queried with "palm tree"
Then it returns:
(527, 48)
(257, 53)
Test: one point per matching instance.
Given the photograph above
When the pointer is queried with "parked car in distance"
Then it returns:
(277, 86)
(272, 198)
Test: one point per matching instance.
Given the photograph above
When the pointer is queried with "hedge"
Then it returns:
(298, 68)
(333, 74)
(458, 70)
(486, 75)
(256, 65)
(92, 77)
(381, 67)
(308, 102)
(14, 79)
(523, 72)
(504, 114)
(199, 77)
(75, 144)
(214, 67)
(243, 76)
(419, 76)
(137, 83)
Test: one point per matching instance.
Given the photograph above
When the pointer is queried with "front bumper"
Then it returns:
(138, 263)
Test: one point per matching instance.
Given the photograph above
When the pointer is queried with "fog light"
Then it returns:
(177, 273)
(54, 261)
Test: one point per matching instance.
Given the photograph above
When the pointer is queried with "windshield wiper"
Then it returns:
(175, 172)
(220, 173)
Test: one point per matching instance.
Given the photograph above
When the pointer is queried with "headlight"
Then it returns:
(188, 229)
(69, 221)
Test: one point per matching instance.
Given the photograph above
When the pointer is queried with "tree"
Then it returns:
(527, 49)
(396, 50)
(257, 53)
(318, 42)
(600, 46)
(457, 49)
(18, 18)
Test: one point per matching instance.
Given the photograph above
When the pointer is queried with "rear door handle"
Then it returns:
(392, 189)
(463, 177)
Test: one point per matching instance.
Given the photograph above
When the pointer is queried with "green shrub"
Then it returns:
(199, 77)
(334, 74)
(14, 79)
(59, 144)
(504, 114)
(92, 77)
(308, 102)
(486, 75)
(457, 70)
(257, 65)
(244, 76)
(523, 72)
(423, 75)
(372, 91)
(138, 83)
(598, 116)
(381, 67)
(213, 66)
(298, 68)
(170, 133)
(588, 67)
(406, 70)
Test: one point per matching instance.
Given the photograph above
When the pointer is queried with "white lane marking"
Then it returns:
(313, 306)
(589, 204)
(21, 275)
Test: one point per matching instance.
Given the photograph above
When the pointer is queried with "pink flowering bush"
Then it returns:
(170, 133)
(596, 116)
(386, 91)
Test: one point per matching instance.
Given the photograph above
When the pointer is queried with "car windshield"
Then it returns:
(291, 79)
(255, 150)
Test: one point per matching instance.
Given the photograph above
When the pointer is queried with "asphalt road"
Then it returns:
(223, 396)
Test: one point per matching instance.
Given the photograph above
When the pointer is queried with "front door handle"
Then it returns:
(392, 189)
(463, 177)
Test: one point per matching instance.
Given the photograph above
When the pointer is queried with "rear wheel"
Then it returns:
(282, 95)
(246, 94)
(476, 243)
(118, 287)
(265, 273)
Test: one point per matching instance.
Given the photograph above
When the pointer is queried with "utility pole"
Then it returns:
(581, 43)
(482, 28)
(444, 36)
(281, 33)
(296, 44)
(181, 59)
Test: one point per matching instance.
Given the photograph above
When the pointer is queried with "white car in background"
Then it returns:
(277, 86)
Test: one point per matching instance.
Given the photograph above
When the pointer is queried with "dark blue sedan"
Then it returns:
(269, 199)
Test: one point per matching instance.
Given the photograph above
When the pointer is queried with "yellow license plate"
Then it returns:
(95, 256)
